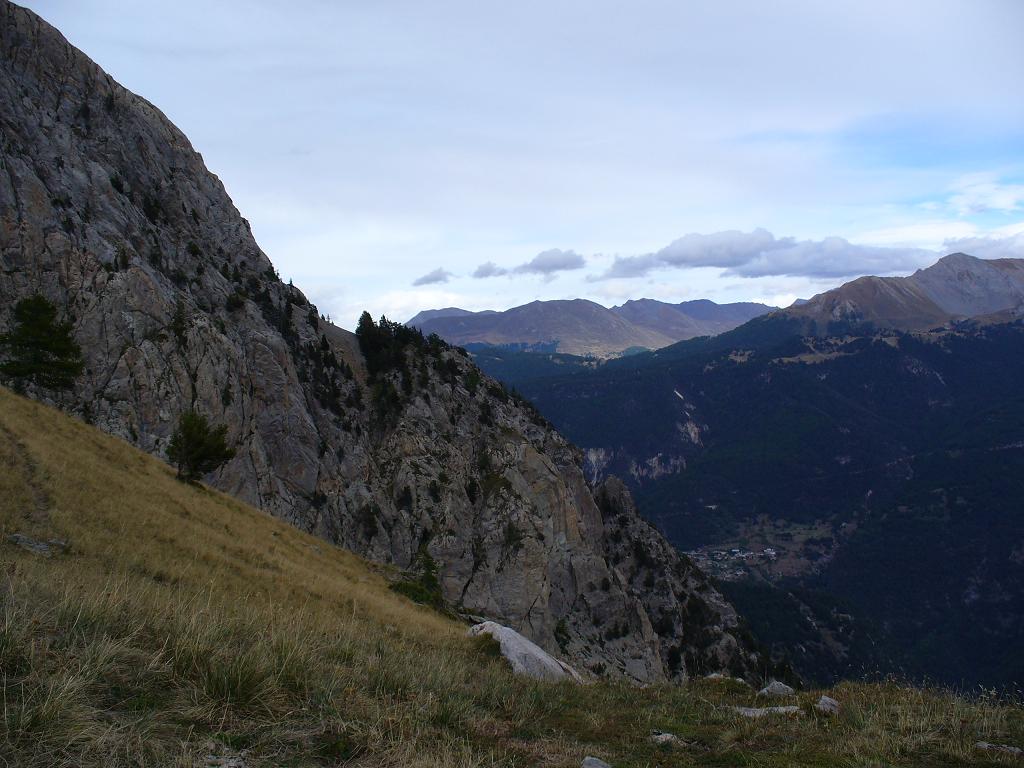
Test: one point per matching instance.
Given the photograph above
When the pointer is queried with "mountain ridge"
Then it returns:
(955, 287)
(586, 328)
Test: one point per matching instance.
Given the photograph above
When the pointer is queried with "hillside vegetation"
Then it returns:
(182, 627)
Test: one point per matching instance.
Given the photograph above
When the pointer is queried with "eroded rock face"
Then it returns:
(107, 210)
(694, 628)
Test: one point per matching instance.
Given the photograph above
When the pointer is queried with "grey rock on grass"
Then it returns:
(663, 739)
(41, 548)
(827, 705)
(755, 712)
(776, 688)
(1004, 748)
(525, 657)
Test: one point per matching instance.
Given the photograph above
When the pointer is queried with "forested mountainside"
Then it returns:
(859, 495)
(392, 445)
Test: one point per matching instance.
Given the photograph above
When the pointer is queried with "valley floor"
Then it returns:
(172, 625)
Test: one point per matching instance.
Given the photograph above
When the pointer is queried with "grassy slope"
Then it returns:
(182, 623)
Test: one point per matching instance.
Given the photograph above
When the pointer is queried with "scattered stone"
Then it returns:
(827, 705)
(776, 688)
(526, 657)
(233, 761)
(661, 738)
(226, 759)
(762, 711)
(726, 678)
(593, 762)
(1004, 748)
(41, 548)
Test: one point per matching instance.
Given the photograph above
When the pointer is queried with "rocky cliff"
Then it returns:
(106, 209)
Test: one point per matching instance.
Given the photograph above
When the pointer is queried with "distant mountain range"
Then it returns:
(581, 327)
(957, 286)
(851, 468)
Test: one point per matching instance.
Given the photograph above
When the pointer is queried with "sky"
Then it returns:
(400, 156)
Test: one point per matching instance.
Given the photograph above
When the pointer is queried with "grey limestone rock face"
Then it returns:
(108, 211)
(694, 628)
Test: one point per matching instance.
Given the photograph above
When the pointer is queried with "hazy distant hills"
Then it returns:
(581, 327)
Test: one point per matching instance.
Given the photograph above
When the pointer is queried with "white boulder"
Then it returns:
(525, 657)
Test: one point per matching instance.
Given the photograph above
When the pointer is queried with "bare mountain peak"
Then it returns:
(956, 286)
(584, 327)
(430, 314)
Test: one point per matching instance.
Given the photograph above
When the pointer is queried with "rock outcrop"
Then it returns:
(776, 688)
(524, 657)
(827, 706)
(106, 209)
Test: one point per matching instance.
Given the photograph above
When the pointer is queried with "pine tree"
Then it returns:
(196, 447)
(39, 349)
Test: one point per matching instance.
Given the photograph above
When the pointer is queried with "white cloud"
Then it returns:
(760, 254)
(1010, 247)
(981, 193)
(489, 269)
(439, 275)
(551, 261)
(923, 234)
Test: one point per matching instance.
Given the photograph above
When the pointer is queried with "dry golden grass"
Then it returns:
(182, 623)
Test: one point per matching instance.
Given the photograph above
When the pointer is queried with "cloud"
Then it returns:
(760, 254)
(439, 275)
(929, 234)
(549, 262)
(982, 193)
(1011, 247)
(489, 269)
